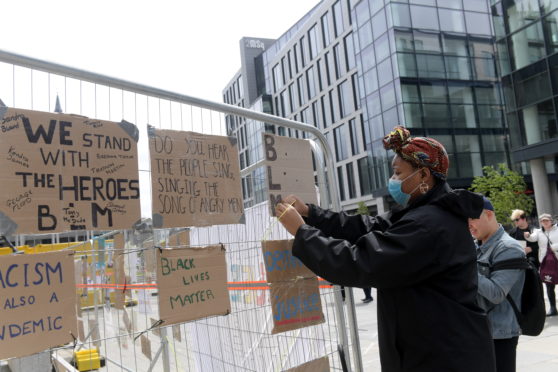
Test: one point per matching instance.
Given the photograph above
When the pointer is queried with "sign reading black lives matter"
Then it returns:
(192, 283)
(195, 179)
(38, 303)
(65, 172)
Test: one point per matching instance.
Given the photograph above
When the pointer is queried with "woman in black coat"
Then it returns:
(420, 257)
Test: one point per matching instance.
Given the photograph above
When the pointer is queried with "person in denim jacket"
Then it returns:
(495, 245)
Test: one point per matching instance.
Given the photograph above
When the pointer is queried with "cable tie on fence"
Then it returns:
(75, 340)
(156, 324)
(159, 248)
(223, 247)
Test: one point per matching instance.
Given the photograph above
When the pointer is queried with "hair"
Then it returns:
(517, 213)
(420, 152)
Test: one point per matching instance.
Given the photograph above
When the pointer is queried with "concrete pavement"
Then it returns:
(534, 354)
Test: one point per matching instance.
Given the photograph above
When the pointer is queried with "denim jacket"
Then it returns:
(494, 287)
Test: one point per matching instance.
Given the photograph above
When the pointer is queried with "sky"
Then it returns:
(185, 46)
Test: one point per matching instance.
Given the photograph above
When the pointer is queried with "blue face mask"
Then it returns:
(394, 188)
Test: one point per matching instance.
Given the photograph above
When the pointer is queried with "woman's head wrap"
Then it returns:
(419, 151)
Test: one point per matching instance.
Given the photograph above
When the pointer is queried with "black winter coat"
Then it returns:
(422, 261)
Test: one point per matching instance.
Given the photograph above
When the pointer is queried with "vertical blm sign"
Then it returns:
(289, 169)
(195, 179)
(66, 172)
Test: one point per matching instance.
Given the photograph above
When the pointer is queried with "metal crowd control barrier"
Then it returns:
(204, 343)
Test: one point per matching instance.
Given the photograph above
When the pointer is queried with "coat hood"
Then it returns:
(460, 202)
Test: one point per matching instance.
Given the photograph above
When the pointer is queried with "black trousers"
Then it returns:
(505, 354)
(551, 295)
(367, 292)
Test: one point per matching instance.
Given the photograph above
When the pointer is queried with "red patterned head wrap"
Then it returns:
(419, 151)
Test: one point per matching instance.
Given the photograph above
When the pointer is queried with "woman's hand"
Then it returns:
(526, 234)
(289, 217)
(297, 203)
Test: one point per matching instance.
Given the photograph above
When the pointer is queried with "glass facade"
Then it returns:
(527, 39)
(430, 65)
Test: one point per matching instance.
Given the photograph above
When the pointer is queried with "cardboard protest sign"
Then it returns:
(66, 172)
(192, 284)
(295, 304)
(38, 303)
(289, 169)
(280, 264)
(316, 365)
(195, 179)
(181, 238)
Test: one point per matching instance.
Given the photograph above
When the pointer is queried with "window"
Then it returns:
(349, 51)
(475, 5)
(327, 58)
(461, 94)
(538, 122)
(379, 25)
(426, 42)
(452, 20)
(337, 19)
(435, 115)
(528, 45)
(365, 35)
(345, 99)
(477, 23)
(313, 45)
(458, 68)
(302, 53)
(367, 57)
(301, 90)
(351, 180)
(424, 17)
(519, 13)
(353, 131)
(430, 66)
(362, 12)
(311, 83)
(339, 65)
(277, 77)
(382, 48)
(325, 30)
(463, 116)
(387, 95)
(370, 81)
(433, 93)
(341, 183)
(403, 41)
(364, 176)
(339, 136)
(401, 15)
(551, 31)
(326, 112)
(407, 65)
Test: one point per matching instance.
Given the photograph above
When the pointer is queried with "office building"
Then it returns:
(355, 69)
(527, 41)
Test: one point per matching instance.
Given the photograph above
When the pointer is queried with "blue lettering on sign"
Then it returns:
(281, 261)
(296, 307)
(19, 275)
(30, 327)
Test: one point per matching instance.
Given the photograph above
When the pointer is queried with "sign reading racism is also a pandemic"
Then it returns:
(66, 172)
(195, 179)
(37, 303)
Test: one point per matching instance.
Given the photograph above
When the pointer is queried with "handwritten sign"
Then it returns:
(280, 264)
(37, 303)
(295, 304)
(192, 284)
(289, 169)
(195, 179)
(316, 365)
(65, 172)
